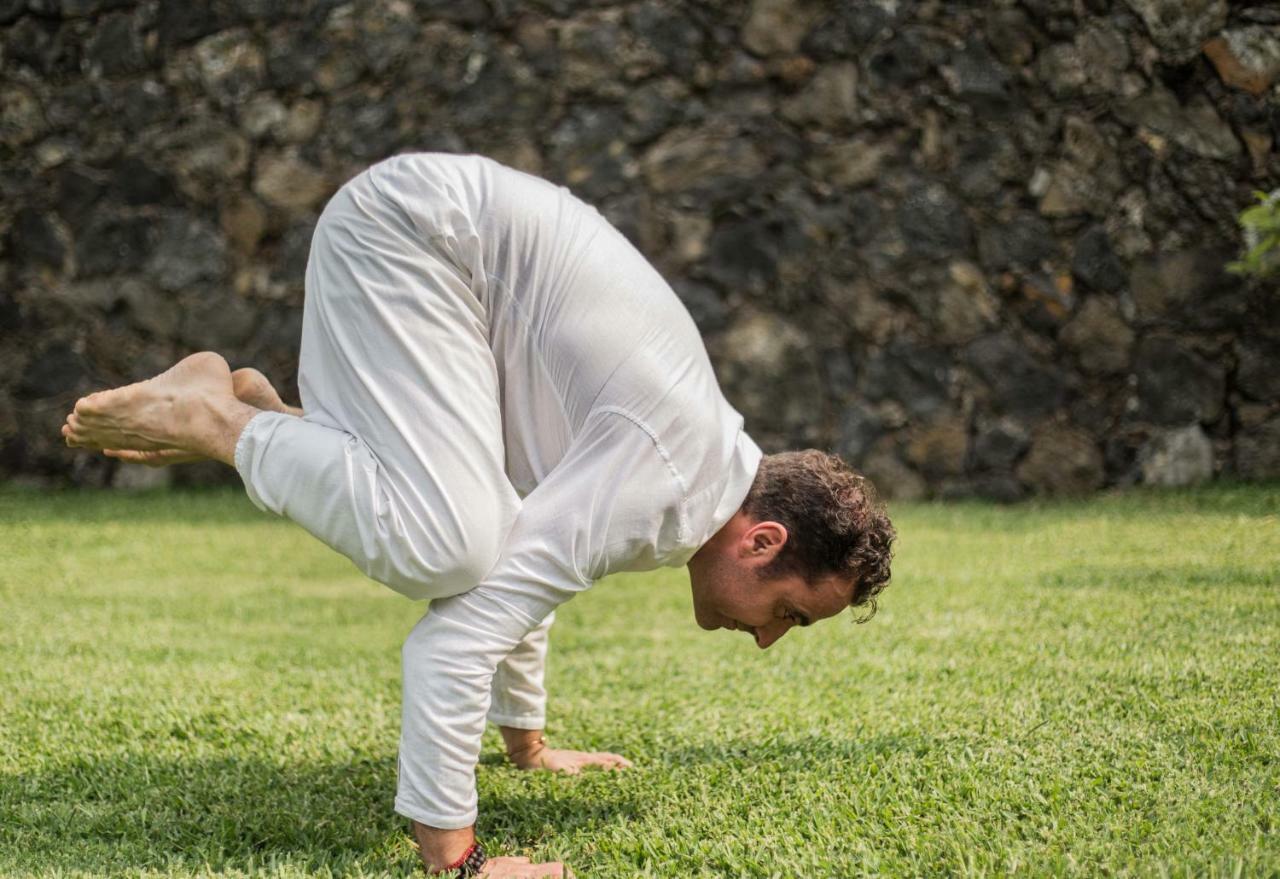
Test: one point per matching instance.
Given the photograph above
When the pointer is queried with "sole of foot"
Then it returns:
(158, 413)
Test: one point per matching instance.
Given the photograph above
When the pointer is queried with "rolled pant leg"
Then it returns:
(398, 461)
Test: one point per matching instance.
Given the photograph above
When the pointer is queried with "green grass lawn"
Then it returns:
(189, 687)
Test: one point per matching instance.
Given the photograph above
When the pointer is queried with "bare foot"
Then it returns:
(252, 387)
(169, 411)
(249, 385)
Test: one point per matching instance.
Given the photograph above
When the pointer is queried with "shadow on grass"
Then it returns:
(134, 813)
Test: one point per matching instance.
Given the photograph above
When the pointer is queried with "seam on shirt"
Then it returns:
(666, 459)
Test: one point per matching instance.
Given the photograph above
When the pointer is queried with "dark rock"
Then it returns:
(10, 10)
(743, 253)
(588, 153)
(1104, 55)
(180, 23)
(999, 443)
(288, 64)
(37, 239)
(1062, 70)
(860, 427)
(654, 107)
(465, 13)
(1175, 385)
(979, 79)
(116, 47)
(1258, 368)
(916, 376)
(845, 31)
(188, 250)
(1180, 27)
(1100, 337)
(1196, 126)
(1001, 487)
(1011, 36)
(1095, 263)
(76, 189)
(55, 370)
(939, 449)
(218, 320)
(290, 265)
(671, 33)
(892, 478)
(705, 305)
(933, 222)
(136, 181)
(691, 160)
(74, 8)
(1189, 287)
(141, 103)
(1023, 243)
(1062, 461)
(1019, 384)
(361, 127)
(905, 59)
(1177, 457)
(830, 100)
(41, 45)
(113, 242)
(501, 88)
(1258, 451)
(150, 309)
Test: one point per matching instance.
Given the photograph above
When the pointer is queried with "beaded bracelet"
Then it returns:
(470, 864)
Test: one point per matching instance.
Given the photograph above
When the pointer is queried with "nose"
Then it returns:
(768, 635)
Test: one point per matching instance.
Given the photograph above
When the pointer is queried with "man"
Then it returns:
(501, 403)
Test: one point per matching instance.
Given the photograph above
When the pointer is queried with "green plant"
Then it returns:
(1261, 226)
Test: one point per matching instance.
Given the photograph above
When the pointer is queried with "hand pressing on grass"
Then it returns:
(523, 868)
(249, 385)
(527, 749)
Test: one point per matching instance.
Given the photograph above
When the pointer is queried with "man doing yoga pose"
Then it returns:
(503, 402)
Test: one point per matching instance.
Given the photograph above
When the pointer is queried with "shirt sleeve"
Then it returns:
(614, 493)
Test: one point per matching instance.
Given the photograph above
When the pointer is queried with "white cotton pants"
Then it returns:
(398, 460)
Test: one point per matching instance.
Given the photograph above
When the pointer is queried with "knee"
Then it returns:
(447, 564)
(470, 556)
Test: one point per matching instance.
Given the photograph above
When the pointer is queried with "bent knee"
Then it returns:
(448, 567)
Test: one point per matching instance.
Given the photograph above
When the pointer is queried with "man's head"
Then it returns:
(809, 540)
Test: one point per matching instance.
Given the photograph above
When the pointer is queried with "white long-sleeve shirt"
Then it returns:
(615, 436)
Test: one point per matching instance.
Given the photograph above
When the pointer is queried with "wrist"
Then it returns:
(440, 848)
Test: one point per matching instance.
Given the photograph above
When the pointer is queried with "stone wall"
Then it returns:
(976, 247)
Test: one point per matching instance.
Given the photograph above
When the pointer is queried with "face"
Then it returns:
(731, 590)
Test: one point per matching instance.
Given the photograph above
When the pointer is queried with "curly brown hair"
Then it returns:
(835, 522)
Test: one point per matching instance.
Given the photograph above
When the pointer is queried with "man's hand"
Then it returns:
(440, 848)
(527, 749)
(571, 762)
(524, 869)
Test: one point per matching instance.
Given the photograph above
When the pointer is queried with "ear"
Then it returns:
(763, 541)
